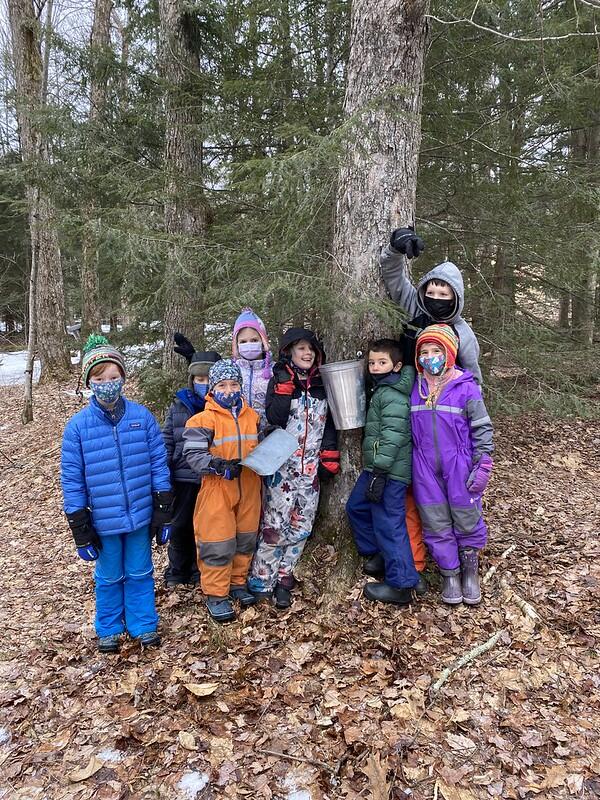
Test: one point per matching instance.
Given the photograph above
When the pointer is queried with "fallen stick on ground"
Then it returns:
(525, 607)
(493, 569)
(466, 659)
(301, 759)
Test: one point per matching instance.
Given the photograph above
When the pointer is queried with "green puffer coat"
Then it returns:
(387, 446)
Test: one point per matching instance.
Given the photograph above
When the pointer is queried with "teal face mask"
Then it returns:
(107, 391)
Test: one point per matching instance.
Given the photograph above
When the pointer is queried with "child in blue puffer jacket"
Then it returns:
(117, 496)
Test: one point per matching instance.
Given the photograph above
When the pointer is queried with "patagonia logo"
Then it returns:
(135, 425)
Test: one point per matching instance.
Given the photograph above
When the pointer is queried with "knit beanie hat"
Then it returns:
(224, 370)
(248, 319)
(97, 350)
(444, 337)
(200, 364)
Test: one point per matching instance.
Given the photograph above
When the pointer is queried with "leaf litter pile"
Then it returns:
(335, 698)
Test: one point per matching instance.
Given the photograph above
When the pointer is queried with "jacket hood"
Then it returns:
(450, 273)
(294, 335)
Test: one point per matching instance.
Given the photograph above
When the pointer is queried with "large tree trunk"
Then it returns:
(185, 209)
(50, 302)
(377, 186)
(99, 51)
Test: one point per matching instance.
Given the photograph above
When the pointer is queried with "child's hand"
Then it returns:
(480, 475)
(376, 487)
(406, 241)
(183, 346)
(161, 515)
(86, 539)
(285, 387)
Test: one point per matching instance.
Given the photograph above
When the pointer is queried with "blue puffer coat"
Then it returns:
(113, 469)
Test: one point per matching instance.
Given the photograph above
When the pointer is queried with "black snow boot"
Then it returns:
(382, 593)
(282, 596)
(374, 566)
(421, 588)
(469, 569)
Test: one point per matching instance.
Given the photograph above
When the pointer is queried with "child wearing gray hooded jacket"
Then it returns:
(438, 297)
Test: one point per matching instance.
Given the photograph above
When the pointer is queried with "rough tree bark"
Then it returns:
(186, 214)
(376, 187)
(99, 52)
(49, 316)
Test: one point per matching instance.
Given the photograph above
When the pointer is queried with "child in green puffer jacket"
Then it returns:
(376, 507)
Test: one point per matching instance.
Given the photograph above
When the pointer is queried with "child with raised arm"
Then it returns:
(452, 462)
(117, 497)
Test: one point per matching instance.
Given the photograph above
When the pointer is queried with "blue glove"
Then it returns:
(86, 539)
(88, 553)
(164, 535)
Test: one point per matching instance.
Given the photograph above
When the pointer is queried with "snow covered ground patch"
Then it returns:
(191, 784)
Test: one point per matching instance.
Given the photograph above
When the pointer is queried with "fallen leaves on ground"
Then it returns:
(330, 699)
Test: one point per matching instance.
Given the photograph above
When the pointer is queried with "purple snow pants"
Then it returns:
(442, 461)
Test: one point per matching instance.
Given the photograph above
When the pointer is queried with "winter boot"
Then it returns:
(451, 589)
(374, 566)
(149, 639)
(109, 644)
(421, 588)
(242, 594)
(282, 596)
(382, 593)
(220, 609)
(469, 569)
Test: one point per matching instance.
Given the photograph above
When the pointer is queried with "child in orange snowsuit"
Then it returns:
(228, 507)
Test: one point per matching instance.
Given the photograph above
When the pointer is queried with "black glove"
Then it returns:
(376, 487)
(162, 503)
(266, 431)
(184, 347)
(324, 474)
(87, 540)
(226, 468)
(406, 241)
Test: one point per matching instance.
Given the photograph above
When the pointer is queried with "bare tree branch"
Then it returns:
(510, 36)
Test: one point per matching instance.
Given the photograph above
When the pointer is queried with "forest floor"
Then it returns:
(331, 699)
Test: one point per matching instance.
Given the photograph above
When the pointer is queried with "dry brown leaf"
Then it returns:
(453, 792)
(82, 774)
(376, 772)
(458, 742)
(186, 740)
(201, 689)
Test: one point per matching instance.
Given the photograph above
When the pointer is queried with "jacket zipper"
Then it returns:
(239, 435)
(250, 389)
(305, 429)
(118, 444)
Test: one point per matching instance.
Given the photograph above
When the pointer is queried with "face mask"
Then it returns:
(439, 309)
(379, 377)
(107, 392)
(434, 365)
(228, 400)
(250, 350)
(201, 389)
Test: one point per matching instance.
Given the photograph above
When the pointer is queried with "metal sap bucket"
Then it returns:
(271, 453)
(344, 383)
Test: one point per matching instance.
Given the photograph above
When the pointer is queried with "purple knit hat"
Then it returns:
(248, 319)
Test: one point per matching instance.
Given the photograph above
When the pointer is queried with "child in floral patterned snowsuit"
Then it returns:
(295, 401)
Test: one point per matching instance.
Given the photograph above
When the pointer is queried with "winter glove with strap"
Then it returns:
(183, 346)
(329, 464)
(230, 469)
(406, 241)
(284, 381)
(480, 474)
(87, 540)
(376, 487)
(162, 513)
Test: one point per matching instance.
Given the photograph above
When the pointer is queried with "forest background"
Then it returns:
(186, 158)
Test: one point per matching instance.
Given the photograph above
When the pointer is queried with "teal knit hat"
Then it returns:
(98, 350)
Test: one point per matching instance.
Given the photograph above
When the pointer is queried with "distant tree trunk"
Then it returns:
(185, 209)
(49, 317)
(563, 309)
(99, 51)
(376, 186)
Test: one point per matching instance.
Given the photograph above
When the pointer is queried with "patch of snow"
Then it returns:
(110, 756)
(192, 783)
(4, 736)
(293, 792)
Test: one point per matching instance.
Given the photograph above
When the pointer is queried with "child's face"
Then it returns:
(201, 379)
(227, 387)
(380, 363)
(105, 372)
(439, 290)
(248, 336)
(429, 349)
(302, 354)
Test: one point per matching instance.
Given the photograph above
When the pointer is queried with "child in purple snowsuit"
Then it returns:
(452, 445)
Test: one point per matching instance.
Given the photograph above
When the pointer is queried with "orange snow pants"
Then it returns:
(226, 521)
(415, 532)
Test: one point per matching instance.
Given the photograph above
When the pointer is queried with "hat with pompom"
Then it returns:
(98, 350)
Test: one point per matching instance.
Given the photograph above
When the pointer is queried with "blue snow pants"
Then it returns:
(125, 584)
(381, 528)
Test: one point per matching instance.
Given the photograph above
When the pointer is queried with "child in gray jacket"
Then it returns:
(438, 297)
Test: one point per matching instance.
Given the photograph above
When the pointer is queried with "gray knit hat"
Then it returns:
(200, 364)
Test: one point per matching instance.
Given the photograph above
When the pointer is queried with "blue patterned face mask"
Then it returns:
(201, 390)
(228, 400)
(107, 391)
(434, 365)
